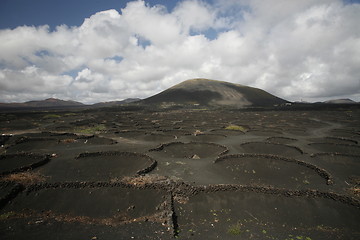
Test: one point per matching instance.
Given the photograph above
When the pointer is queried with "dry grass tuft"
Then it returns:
(181, 199)
(142, 180)
(355, 191)
(68, 140)
(25, 178)
(114, 221)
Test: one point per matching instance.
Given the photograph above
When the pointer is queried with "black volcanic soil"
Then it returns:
(259, 169)
(188, 174)
(238, 215)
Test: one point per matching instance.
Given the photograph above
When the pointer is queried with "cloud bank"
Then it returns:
(307, 49)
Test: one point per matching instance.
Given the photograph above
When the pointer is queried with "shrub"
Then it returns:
(236, 128)
(92, 130)
(235, 229)
(51, 116)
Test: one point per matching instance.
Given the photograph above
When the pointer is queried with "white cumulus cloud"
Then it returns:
(296, 50)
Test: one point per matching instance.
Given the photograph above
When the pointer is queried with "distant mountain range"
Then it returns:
(58, 103)
(193, 92)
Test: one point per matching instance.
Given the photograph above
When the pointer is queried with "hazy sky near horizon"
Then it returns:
(92, 50)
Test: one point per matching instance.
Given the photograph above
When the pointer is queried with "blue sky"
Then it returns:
(92, 50)
(14, 13)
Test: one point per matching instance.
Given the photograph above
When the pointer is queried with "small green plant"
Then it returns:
(5, 216)
(306, 182)
(51, 116)
(92, 130)
(236, 128)
(70, 114)
(291, 237)
(234, 229)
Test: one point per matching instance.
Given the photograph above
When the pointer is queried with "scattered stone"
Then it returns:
(195, 156)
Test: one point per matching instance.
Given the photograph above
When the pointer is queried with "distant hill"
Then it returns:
(115, 103)
(340, 101)
(50, 102)
(53, 102)
(214, 93)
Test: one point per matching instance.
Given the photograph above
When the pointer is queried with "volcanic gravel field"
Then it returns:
(186, 174)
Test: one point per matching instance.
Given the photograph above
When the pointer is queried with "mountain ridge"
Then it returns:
(49, 102)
